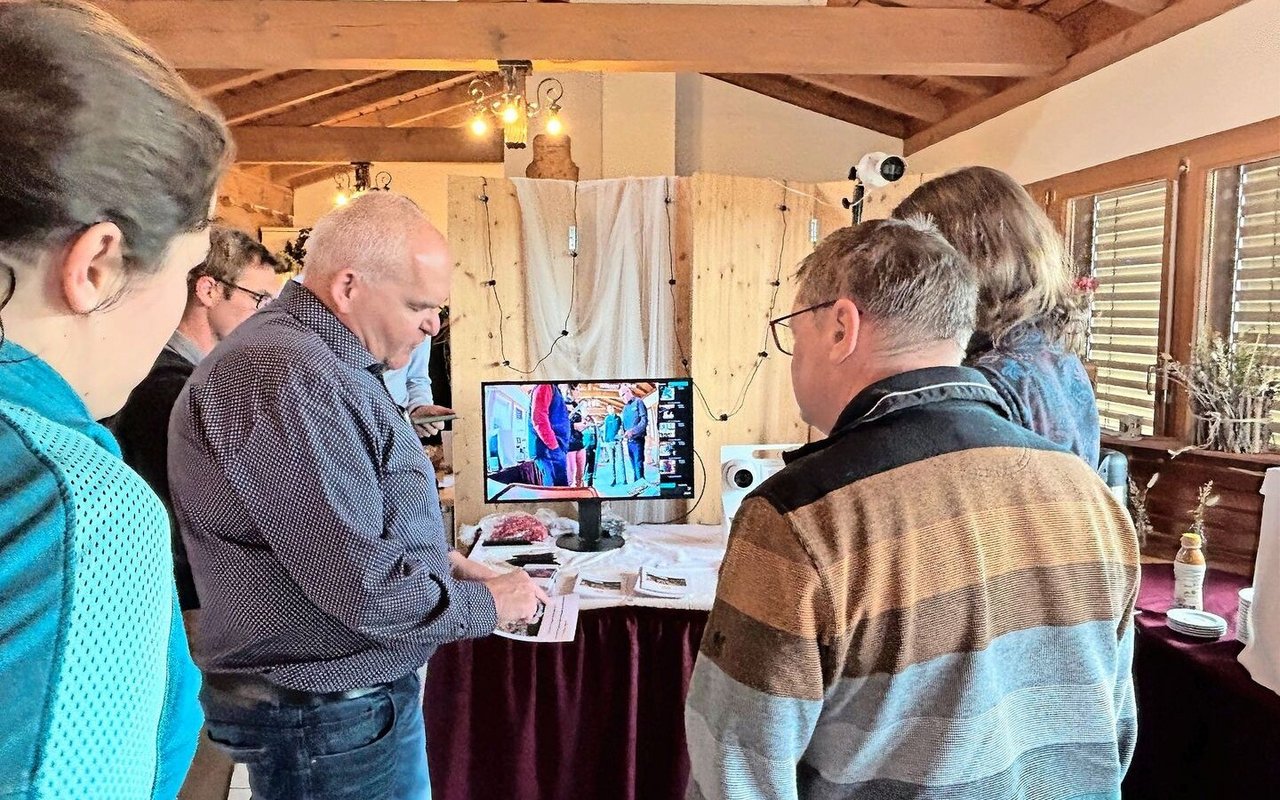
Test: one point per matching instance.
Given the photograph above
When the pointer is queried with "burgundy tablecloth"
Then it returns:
(1205, 729)
(602, 717)
(599, 717)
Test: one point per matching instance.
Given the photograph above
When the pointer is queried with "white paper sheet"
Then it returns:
(556, 621)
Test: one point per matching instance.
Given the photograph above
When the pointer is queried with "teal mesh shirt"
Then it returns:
(98, 695)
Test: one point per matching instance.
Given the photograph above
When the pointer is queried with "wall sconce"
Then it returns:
(360, 180)
(511, 109)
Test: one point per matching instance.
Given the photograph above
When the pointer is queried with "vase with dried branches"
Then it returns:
(1233, 385)
(1138, 507)
(1205, 500)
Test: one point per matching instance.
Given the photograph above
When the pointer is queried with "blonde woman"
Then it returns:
(1026, 301)
(108, 164)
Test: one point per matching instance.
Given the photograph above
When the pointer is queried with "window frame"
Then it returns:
(1187, 167)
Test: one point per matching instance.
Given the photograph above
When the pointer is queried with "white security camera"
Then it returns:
(880, 169)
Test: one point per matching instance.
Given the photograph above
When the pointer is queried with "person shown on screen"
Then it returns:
(577, 457)
(550, 421)
(312, 522)
(591, 446)
(932, 601)
(611, 443)
(635, 428)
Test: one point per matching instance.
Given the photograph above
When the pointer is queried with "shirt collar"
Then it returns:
(27, 380)
(913, 389)
(299, 302)
(181, 345)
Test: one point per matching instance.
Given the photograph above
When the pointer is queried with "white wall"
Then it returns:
(426, 184)
(647, 124)
(730, 130)
(638, 124)
(1219, 75)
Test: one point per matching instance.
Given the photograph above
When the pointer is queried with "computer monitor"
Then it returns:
(587, 442)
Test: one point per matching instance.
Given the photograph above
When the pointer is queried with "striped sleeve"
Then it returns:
(757, 688)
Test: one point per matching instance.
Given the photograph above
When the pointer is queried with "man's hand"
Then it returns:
(515, 596)
(464, 569)
(428, 428)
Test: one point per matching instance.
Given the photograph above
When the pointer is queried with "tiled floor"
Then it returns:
(239, 784)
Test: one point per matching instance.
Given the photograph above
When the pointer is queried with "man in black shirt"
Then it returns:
(238, 277)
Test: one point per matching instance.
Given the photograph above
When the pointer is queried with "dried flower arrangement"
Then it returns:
(1233, 386)
(1204, 501)
(1138, 507)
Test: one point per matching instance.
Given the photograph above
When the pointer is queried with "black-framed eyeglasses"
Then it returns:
(784, 338)
(260, 299)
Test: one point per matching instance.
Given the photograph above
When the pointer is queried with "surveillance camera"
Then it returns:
(880, 169)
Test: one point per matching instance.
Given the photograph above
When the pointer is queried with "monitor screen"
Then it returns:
(602, 439)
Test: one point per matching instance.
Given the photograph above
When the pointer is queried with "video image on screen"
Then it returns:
(601, 439)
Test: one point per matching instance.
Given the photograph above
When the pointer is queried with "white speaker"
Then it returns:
(743, 467)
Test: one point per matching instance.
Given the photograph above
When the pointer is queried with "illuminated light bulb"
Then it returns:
(510, 113)
(340, 200)
(554, 126)
(478, 126)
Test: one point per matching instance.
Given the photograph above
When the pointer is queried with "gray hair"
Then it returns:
(97, 128)
(902, 273)
(370, 235)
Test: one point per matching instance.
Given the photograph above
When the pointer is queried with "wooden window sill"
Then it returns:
(1247, 461)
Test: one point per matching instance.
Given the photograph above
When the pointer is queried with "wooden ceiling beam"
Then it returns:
(970, 86)
(290, 90)
(1175, 19)
(438, 99)
(821, 101)
(399, 87)
(268, 144)
(913, 103)
(310, 175)
(1143, 8)
(215, 81)
(351, 34)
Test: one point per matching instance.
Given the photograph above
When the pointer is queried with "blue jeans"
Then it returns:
(368, 748)
(635, 454)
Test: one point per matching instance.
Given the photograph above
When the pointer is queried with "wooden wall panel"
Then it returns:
(249, 202)
(1232, 526)
(475, 351)
(738, 237)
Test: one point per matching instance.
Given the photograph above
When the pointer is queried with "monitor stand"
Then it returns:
(589, 538)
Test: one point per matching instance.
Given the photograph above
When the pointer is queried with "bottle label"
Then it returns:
(1188, 583)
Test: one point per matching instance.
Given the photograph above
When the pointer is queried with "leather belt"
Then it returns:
(259, 689)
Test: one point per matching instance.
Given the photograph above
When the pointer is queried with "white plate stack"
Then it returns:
(1244, 626)
(1200, 624)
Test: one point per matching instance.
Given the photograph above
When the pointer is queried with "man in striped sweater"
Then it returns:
(932, 602)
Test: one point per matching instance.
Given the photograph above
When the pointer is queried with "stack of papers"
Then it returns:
(661, 582)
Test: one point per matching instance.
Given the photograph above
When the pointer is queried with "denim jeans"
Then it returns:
(368, 748)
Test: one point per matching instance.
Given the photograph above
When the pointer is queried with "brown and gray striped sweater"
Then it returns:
(931, 603)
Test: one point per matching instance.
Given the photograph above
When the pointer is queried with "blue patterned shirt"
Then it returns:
(1046, 389)
(309, 511)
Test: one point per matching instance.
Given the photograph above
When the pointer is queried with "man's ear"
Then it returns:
(845, 326)
(91, 271)
(343, 288)
(207, 291)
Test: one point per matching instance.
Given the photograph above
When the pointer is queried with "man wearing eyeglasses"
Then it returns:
(931, 600)
(238, 277)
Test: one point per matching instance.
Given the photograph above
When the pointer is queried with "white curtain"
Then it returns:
(617, 305)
